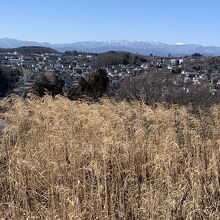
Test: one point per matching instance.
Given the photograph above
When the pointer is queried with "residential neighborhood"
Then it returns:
(71, 66)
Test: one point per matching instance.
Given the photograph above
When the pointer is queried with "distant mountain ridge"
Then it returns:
(140, 47)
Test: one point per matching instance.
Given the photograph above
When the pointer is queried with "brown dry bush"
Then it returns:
(79, 160)
(167, 88)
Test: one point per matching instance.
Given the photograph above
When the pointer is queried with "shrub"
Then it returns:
(45, 85)
(8, 79)
(3, 83)
(94, 85)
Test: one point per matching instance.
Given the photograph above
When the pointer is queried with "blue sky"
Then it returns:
(63, 21)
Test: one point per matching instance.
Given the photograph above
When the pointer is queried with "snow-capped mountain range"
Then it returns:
(140, 47)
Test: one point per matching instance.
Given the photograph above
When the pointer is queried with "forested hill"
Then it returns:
(30, 49)
(119, 57)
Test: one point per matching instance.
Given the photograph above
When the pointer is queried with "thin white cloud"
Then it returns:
(180, 44)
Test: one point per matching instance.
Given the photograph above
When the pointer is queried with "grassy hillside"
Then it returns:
(75, 160)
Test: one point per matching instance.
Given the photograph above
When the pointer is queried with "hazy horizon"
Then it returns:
(112, 40)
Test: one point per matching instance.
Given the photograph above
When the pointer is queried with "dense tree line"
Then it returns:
(29, 50)
(169, 89)
(116, 58)
(77, 53)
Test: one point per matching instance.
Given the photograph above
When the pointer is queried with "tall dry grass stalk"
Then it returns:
(76, 160)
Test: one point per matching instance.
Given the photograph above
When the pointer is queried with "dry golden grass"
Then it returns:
(76, 160)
